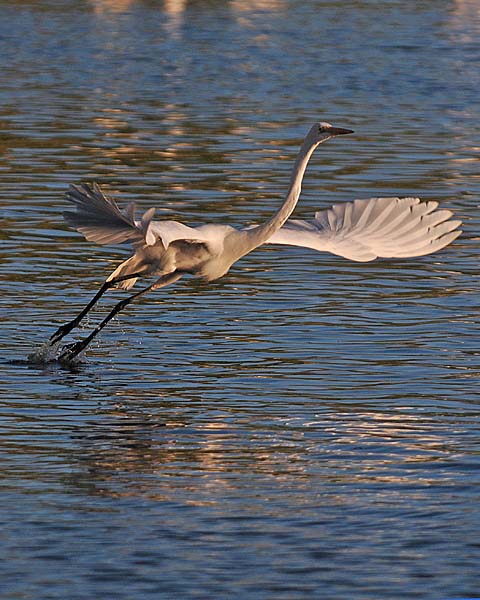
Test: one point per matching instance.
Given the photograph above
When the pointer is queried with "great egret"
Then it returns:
(360, 230)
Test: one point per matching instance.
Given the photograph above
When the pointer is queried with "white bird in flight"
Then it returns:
(361, 230)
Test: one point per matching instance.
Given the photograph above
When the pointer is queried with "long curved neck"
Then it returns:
(259, 235)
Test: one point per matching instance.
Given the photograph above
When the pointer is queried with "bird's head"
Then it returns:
(321, 132)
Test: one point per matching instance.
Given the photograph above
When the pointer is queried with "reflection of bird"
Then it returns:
(361, 230)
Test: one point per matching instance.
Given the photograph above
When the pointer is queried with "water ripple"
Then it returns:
(305, 427)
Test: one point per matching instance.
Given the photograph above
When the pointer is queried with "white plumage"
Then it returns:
(363, 230)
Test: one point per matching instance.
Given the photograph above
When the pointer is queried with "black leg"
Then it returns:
(71, 351)
(65, 329)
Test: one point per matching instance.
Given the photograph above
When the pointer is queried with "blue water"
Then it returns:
(306, 427)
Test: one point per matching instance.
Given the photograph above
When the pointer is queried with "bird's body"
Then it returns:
(361, 230)
(202, 255)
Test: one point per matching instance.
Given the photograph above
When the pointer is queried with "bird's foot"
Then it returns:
(71, 351)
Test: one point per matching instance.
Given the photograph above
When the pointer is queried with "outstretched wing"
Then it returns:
(98, 217)
(363, 230)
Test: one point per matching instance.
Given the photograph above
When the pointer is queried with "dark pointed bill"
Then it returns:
(340, 131)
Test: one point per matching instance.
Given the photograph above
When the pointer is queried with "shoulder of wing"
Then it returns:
(171, 231)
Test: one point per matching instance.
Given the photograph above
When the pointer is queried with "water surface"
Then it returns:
(306, 427)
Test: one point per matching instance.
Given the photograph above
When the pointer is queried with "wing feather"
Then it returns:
(363, 230)
(98, 217)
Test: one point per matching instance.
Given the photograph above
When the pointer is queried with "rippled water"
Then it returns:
(305, 427)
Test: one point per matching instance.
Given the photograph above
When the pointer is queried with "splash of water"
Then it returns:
(45, 353)
(48, 352)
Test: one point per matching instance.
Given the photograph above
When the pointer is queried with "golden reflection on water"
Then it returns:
(130, 453)
(102, 7)
(174, 7)
(243, 6)
(464, 21)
